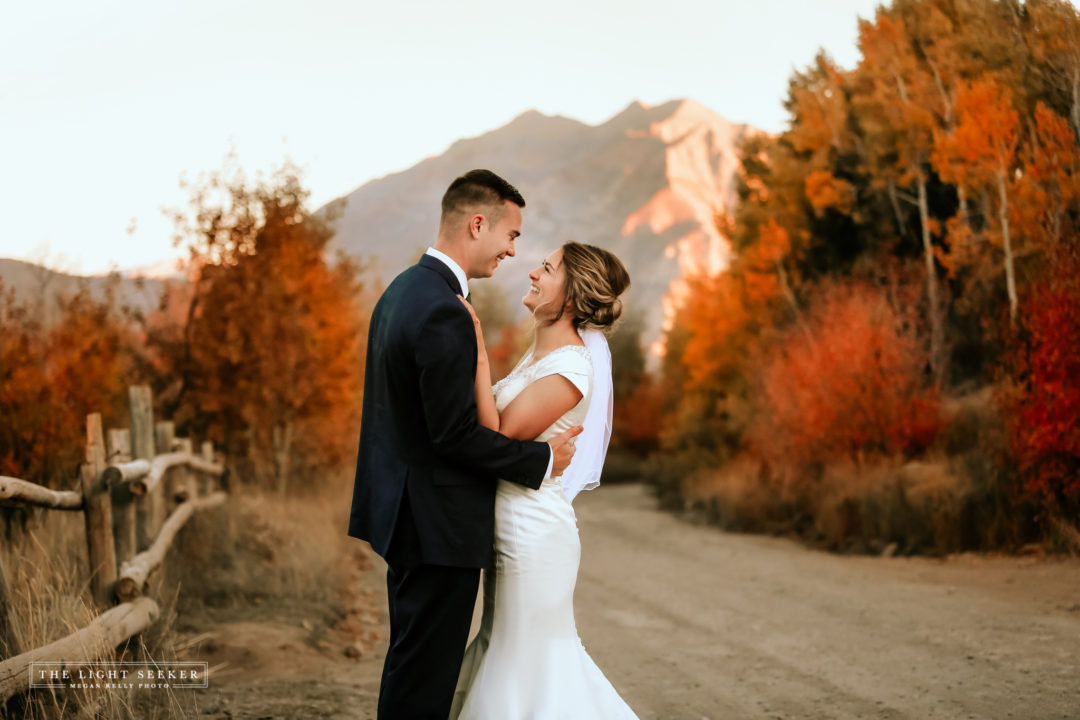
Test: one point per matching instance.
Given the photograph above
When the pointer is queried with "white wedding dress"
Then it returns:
(527, 661)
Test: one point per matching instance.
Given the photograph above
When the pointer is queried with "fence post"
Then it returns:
(206, 481)
(164, 434)
(97, 510)
(184, 480)
(123, 502)
(142, 448)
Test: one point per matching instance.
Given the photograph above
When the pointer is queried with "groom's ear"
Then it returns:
(476, 222)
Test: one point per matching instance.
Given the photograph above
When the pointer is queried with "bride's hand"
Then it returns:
(481, 350)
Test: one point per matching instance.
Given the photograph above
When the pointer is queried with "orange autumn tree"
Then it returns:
(898, 101)
(802, 182)
(718, 324)
(980, 154)
(29, 435)
(1048, 187)
(1055, 42)
(272, 354)
(702, 363)
(52, 377)
(818, 101)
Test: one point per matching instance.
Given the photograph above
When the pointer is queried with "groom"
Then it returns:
(424, 493)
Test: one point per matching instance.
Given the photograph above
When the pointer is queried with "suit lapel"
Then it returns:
(433, 263)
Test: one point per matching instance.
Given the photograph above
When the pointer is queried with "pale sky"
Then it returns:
(104, 104)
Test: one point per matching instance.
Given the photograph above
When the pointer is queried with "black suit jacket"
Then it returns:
(420, 434)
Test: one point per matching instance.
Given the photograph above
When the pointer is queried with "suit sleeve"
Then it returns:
(445, 352)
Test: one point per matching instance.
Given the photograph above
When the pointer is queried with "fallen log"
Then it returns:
(93, 642)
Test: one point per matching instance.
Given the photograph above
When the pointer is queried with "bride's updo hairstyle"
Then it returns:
(595, 279)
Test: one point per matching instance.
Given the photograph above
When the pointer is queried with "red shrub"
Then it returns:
(849, 382)
(1045, 408)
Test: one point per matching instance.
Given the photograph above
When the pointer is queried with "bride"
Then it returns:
(527, 660)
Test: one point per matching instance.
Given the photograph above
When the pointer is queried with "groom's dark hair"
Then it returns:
(479, 187)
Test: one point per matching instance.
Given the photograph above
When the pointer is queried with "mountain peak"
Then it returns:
(633, 115)
(530, 115)
(668, 120)
(683, 117)
(532, 123)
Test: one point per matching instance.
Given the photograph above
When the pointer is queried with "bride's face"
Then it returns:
(545, 296)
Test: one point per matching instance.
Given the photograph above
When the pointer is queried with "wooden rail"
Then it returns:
(123, 491)
(144, 484)
(133, 574)
(14, 491)
(141, 475)
(123, 472)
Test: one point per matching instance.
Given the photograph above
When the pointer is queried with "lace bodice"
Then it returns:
(572, 362)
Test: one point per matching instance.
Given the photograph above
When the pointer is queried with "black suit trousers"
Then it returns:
(431, 607)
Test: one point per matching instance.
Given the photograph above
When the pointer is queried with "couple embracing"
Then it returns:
(455, 474)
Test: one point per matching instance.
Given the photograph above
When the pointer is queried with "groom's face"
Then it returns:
(494, 239)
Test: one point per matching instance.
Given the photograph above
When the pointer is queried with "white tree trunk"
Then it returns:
(1003, 218)
(934, 313)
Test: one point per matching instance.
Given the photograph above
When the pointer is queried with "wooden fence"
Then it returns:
(135, 494)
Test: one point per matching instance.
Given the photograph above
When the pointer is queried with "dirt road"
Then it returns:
(691, 622)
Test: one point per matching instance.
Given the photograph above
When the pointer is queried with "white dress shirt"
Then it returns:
(463, 280)
(463, 284)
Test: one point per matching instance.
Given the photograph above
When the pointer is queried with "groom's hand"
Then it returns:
(562, 449)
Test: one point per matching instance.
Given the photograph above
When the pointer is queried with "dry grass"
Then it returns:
(913, 507)
(47, 571)
(928, 507)
(257, 556)
(269, 556)
(1064, 537)
(739, 497)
